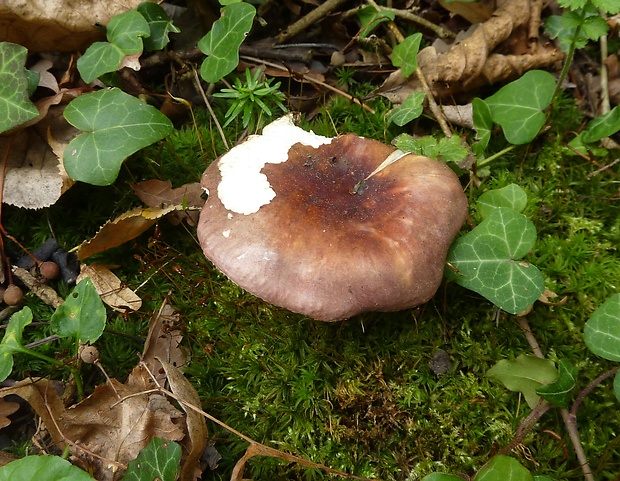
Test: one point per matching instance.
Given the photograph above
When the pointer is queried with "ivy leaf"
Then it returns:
(525, 374)
(487, 259)
(602, 331)
(15, 107)
(12, 341)
(159, 25)
(221, 44)
(517, 107)
(483, 122)
(370, 18)
(124, 32)
(602, 126)
(503, 468)
(159, 460)
(82, 315)
(559, 392)
(405, 54)
(409, 110)
(115, 125)
(511, 196)
(42, 468)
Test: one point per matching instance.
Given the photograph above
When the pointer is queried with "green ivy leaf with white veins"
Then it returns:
(115, 125)
(488, 260)
(221, 44)
(15, 107)
(602, 331)
(409, 110)
(511, 196)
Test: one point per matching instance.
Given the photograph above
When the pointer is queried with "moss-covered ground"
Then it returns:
(360, 395)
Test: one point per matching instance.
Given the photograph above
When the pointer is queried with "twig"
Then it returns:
(409, 15)
(198, 86)
(312, 80)
(570, 421)
(439, 116)
(42, 291)
(526, 426)
(309, 19)
(588, 389)
(602, 169)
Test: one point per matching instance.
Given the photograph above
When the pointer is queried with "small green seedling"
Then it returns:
(82, 316)
(488, 260)
(221, 44)
(256, 100)
(115, 125)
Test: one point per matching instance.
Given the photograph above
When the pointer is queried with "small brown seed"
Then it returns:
(49, 270)
(13, 295)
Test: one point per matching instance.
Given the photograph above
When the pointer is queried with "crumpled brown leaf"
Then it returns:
(471, 60)
(58, 25)
(6, 409)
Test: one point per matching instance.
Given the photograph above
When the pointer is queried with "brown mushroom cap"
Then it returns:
(326, 245)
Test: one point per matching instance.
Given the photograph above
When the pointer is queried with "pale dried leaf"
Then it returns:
(59, 25)
(110, 288)
(474, 12)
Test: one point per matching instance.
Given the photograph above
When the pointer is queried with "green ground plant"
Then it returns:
(364, 397)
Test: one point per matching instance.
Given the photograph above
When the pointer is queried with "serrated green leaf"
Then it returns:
(451, 149)
(525, 374)
(124, 32)
(370, 18)
(441, 477)
(405, 54)
(116, 125)
(159, 460)
(572, 4)
(12, 341)
(602, 126)
(159, 25)
(42, 468)
(409, 110)
(558, 392)
(617, 385)
(602, 331)
(594, 27)
(487, 259)
(503, 468)
(15, 107)
(82, 315)
(608, 6)
(511, 196)
(517, 107)
(221, 44)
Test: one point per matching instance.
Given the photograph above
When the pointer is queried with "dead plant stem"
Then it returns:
(198, 86)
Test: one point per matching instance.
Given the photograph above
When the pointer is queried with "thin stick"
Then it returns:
(206, 101)
(409, 15)
(311, 18)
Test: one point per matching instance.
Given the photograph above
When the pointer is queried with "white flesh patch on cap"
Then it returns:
(243, 189)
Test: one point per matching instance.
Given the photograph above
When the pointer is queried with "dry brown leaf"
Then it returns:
(470, 61)
(58, 25)
(159, 193)
(117, 421)
(474, 12)
(6, 409)
(124, 228)
(110, 288)
(196, 442)
(43, 397)
(163, 342)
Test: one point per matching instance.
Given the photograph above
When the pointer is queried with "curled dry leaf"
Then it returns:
(110, 288)
(124, 228)
(471, 61)
(159, 193)
(67, 25)
(6, 409)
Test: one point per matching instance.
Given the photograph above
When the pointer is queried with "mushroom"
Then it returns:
(330, 228)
